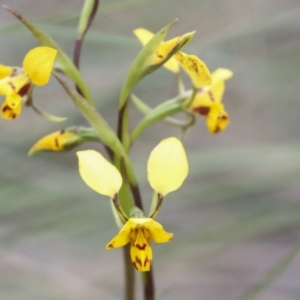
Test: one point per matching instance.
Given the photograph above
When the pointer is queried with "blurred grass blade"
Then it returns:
(272, 274)
(62, 58)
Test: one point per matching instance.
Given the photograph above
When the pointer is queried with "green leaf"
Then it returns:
(159, 113)
(142, 64)
(62, 58)
(103, 130)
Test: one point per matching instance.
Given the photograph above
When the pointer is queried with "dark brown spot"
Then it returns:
(137, 261)
(5, 108)
(13, 115)
(195, 67)
(217, 129)
(211, 96)
(147, 261)
(159, 55)
(141, 247)
(24, 89)
(110, 246)
(12, 86)
(202, 110)
(56, 142)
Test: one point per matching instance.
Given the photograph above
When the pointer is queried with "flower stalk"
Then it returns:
(114, 176)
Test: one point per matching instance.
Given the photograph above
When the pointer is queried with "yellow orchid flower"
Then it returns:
(164, 49)
(167, 169)
(15, 83)
(138, 231)
(191, 64)
(208, 102)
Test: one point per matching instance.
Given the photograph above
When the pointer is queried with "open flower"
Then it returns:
(208, 102)
(167, 169)
(138, 231)
(191, 64)
(16, 83)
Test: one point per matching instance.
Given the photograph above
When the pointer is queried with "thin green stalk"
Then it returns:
(88, 14)
(188, 103)
(129, 274)
(159, 202)
(123, 135)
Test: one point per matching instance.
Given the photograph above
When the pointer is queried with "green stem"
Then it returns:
(192, 98)
(149, 290)
(181, 88)
(90, 8)
(88, 134)
(159, 113)
(129, 274)
(123, 135)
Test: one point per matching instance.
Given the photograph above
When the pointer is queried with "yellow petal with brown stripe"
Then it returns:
(9, 113)
(195, 68)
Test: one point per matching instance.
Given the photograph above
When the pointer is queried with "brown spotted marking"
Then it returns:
(195, 67)
(24, 89)
(202, 110)
(5, 108)
(141, 247)
(56, 142)
(147, 260)
(137, 261)
(159, 55)
(12, 85)
(211, 96)
(218, 129)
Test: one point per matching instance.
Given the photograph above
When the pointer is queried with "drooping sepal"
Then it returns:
(195, 68)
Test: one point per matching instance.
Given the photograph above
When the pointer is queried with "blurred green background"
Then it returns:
(237, 217)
